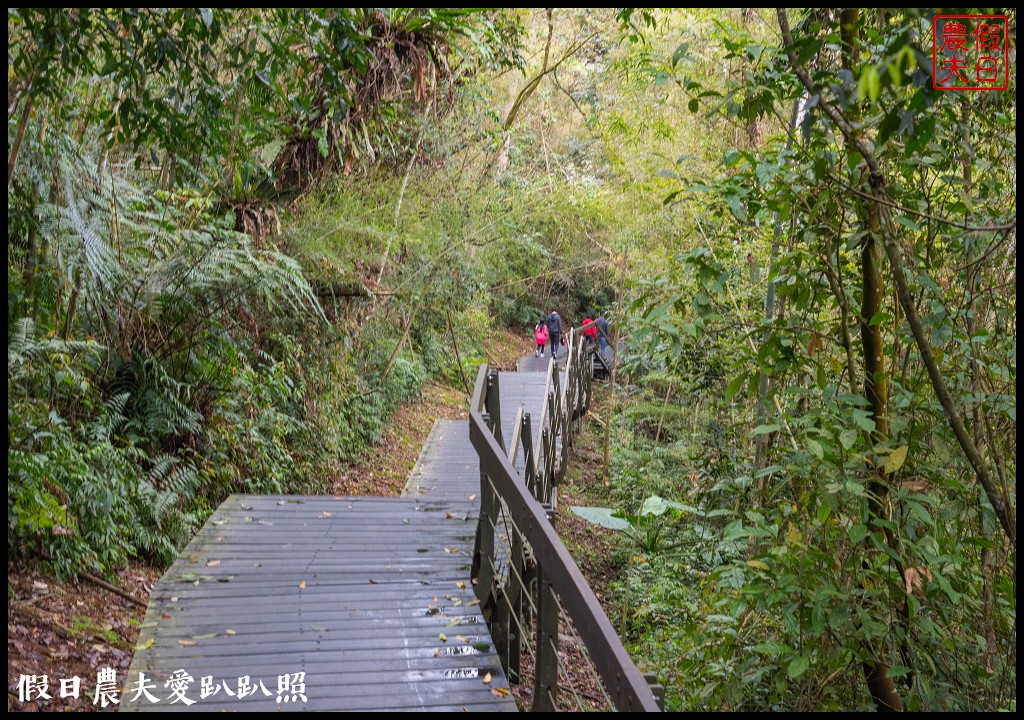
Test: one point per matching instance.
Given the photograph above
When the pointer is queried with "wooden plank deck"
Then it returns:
(356, 593)
(447, 468)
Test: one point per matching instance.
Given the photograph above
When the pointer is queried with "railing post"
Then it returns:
(482, 570)
(529, 461)
(545, 687)
(492, 403)
(545, 458)
(516, 591)
(657, 689)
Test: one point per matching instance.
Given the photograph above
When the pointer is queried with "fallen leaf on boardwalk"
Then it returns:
(165, 616)
(405, 521)
(461, 585)
(148, 644)
(213, 563)
(174, 599)
(473, 602)
(327, 514)
(229, 631)
(302, 585)
(487, 679)
(442, 637)
(499, 692)
(374, 582)
(463, 638)
(437, 652)
(318, 628)
(187, 642)
(448, 515)
(246, 507)
(455, 621)
(473, 496)
(207, 636)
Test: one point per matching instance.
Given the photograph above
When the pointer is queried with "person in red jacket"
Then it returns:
(540, 334)
(589, 331)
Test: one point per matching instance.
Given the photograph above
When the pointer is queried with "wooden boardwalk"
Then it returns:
(367, 602)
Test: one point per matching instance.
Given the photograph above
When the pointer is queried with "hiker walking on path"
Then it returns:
(602, 331)
(540, 334)
(554, 323)
(589, 331)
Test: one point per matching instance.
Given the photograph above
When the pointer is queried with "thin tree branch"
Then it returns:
(999, 502)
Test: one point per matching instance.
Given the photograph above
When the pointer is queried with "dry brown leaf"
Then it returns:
(165, 616)
(448, 515)
(229, 631)
(499, 692)
(473, 496)
(913, 577)
(374, 582)
(213, 563)
(187, 642)
(461, 585)
(302, 585)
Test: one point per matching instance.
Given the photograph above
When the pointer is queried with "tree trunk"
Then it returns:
(876, 666)
(12, 158)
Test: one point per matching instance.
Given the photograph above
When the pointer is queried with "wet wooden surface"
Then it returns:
(354, 592)
(370, 598)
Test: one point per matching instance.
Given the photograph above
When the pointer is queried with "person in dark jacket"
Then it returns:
(554, 323)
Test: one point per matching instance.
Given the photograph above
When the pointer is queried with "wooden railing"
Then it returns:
(530, 586)
(566, 402)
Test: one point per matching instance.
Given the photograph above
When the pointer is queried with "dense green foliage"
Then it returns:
(238, 239)
(159, 359)
(847, 549)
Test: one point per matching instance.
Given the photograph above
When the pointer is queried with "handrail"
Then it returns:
(555, 575)
(547, 386)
